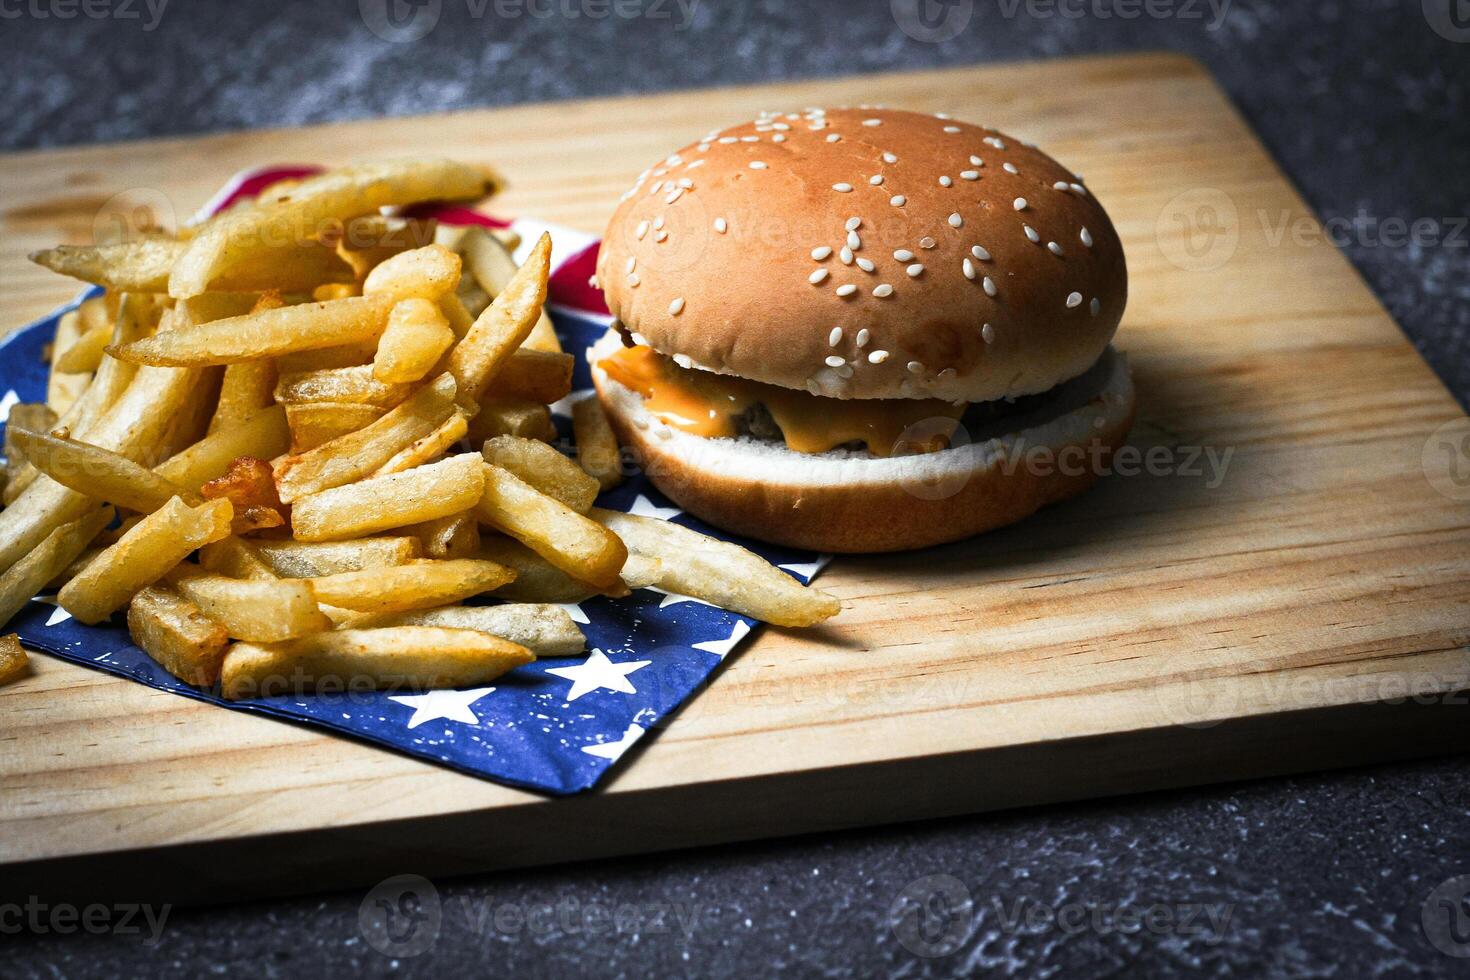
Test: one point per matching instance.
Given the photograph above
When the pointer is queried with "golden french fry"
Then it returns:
(537, 580)
(142, 556)
(62, 389)
(487, 260)
(99, 473)
(263, 435)
(528, 420)
(143, 266)
(303, 213)
(25, 417)
(314, 424)
(372, 239)
(545, 469)
(719, 572)
(251, 487)
(416, 338)
(235, 557)
(334, 290)
(503, 326)
(417, 585)
(263, 609)
(20, 583)
(359, 453)
(178, 635)
(427, 448)
(303, 559)
(346, 385)
(411, 497)
(543, 336)
(346, 355)
(14, 662)
(535, 375)
(74, 569)
(248, 387)
(546, 630)
(597, 445)
(427, 273)
(455, 536)
(577, 546)
(422, 657)
(85, 355)
(307, 326)
(456, 314)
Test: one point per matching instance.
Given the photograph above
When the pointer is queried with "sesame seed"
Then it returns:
(677, 306)
(641, 422)
(989, 285)
(847, 289)
(643, 230)
(1074, 300)
(660, 236)
(876, 180)
(721, 225)
(686, 183)
(780, 126)
(817, 277)
(1060, 185)
(728, 139)
(997, 143)
(889, 158)
(916, 270)
(704, 148)
(987, 334)
(866, 265)
(1010, 168)
(854, 241)
(878, 357)
(969, 268)
(678, 192)
(842, 188)
(927, 242)
(1079, 189)
(1096, 306)
(831, 137)
(853, 224)
(835, 337)
(862, 338)
(750, 139)
(914, 367)
(835, 361)
(1032, 234)
(779, 138)
(845, 255)
(884, 291)
(955, 220)
(976, 161)
(980, 252)
(951, 129)
(757, 165)
(821, 253)
(633, 280)
(1086, 238)
(1020, 203)
(946, 181)
(658, 222)
(872, 122)
(903, 255)
(1054, 248)
(969, 175)
(632, 262)
(898, 200)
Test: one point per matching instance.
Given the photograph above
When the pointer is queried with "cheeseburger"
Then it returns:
(863, 329)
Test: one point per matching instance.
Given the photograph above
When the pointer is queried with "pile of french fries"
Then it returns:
(289, 442)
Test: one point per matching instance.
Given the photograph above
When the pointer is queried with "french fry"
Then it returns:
(597, 446)
(334, 290)
(303, 212)
(25, 417)
(142, 556)
(262, 610)
(263, 435)
(74, 569)
(528, 420)
(503, 326)
(537, 580)
(314, 424)
(20, 583)
(99, 473)
(85, 354)
(416, 657)
(566, 539)
(344, 355)
(62, 389)
(143, 266)
(456, 314)
(248, 387)
(307, 326)
(535, 375)
(719, 572)
(416, 585)
(412, 497)
(345, 385)
(235, 557)
(489, 261)
(416, 338)
(303, 559)
(14, 662)
(176, 633)
(455, 536)
(427, 273)
(372, 239)
(427, 448)
(359, 453)
(545, 469)
(546, 630)
(250, 486)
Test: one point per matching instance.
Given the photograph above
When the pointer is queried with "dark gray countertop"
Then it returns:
(1366, 103)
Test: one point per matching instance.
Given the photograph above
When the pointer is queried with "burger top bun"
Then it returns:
(867, 253)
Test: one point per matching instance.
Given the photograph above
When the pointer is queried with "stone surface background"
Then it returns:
(1366, 103)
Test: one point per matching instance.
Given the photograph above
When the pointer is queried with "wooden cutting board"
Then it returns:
(1165, 630)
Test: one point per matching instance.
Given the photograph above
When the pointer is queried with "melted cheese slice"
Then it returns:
(706, 404)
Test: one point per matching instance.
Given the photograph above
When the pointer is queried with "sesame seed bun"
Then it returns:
(980, 268)
(847, 502)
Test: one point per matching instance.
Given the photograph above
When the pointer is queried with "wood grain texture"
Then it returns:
(1161, 631)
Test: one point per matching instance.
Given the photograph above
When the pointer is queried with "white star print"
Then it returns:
(574, 610)
(674, 598)
(563, 407)
(808, 570)
(10, 400)
(721, 648)
(615, 750)
(58, 615)
(599, 672)
(643, 507)
(449, 705)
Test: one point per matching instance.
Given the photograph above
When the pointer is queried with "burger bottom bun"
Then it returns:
(848, 502)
